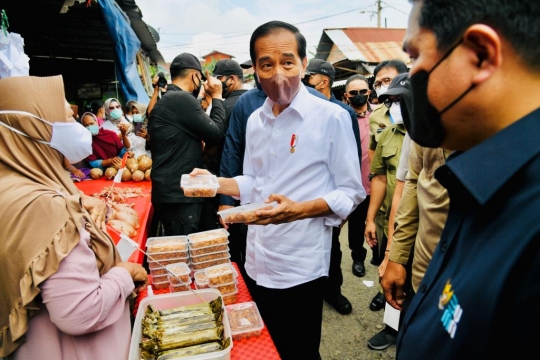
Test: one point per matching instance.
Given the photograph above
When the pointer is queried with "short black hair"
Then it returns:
(271, 27)
(356, 77)
(516, 21)
(180, 72)
(96, 105)
(397, 64)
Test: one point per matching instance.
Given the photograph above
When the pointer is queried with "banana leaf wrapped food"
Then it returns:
(183, 328)
(194, 350)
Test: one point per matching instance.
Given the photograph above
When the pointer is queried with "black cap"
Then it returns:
(396, 87)
(228, 67)
(318, 66)
(246, 64)
(187, 61)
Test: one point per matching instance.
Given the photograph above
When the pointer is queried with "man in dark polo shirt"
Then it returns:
(178, 126)
(479, 296)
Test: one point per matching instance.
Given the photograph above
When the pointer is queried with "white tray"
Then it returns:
(167, 301)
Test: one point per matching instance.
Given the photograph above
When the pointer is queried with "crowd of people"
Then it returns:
(438, 180)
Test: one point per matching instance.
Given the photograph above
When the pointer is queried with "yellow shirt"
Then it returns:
(422, 211)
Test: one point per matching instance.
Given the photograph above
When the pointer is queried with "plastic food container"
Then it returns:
(209, 249)
(230, 298)
(167, 301)
(200, 279)
(244, 213)
(180, 287)
(181, 271)
(226, 289)
(212, 256)
(160, 282)
(166, 244)
(245, 320)
(208, 238)
(205, 264)
(199, 186)
(156, 264)
(220, 274)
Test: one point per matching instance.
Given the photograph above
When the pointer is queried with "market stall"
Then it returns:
(141, 204)
(254, 347)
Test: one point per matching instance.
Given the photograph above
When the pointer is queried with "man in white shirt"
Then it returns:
(295, 150)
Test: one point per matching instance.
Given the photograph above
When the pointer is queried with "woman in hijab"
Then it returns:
(139, 136)
(114, 115)
(107, 149)
(64, 289)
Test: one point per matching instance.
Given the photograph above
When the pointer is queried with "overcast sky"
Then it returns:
(200, 27)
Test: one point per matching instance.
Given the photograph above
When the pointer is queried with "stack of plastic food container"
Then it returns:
(178, 275)
(223, 277)
(208, 248)
(163, 251)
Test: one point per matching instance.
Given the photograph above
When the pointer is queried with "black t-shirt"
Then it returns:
(178, 126)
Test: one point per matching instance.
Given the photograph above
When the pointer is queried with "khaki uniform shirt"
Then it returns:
(422, 211)
(385, 162)
(379, 119)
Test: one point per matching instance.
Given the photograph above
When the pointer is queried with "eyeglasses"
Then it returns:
(385, 82)
(355, 92)
(115, 107)
(388, 102)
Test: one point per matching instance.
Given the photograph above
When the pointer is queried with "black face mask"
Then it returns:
(421, 119)
(358, 100)
(307, 84)
(224, 87)
(197, 89)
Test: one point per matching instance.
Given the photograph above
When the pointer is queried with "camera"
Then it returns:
(162, 81)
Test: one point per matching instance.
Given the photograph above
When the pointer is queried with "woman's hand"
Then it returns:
(97, 209)
(115, 162)
(123, 129)
(197, 171)
(143, 133)
(78, 173)
(137, 273)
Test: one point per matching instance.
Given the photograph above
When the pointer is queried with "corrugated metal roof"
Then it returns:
(370, 45)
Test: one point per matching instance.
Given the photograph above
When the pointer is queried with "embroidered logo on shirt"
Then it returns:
(452, 311)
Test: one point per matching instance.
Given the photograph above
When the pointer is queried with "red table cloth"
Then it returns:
(142, 205)
(252, 348)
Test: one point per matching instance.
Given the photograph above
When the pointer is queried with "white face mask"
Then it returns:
(381, 90)
(395, 114)
(71, 139)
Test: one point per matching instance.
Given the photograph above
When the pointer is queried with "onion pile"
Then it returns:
(137, 169)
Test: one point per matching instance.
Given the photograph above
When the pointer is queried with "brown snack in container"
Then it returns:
(222, 274)
(166, 244)
(200, 192)
(226, 289)
(158, 272)
(200, 266)
(245, 320)
(169, 255)
(154, 265)
(178, 288)
(181, 273)
(208, 238)
(208, 257)
(209, 249)
(230, 299)
(161, 285)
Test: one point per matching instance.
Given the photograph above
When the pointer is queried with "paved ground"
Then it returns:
(344, 337)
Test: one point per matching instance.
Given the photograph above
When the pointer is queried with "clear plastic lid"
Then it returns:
(244, 213)
(220, 274)
(208, 238)
(199, 186)
(158, 264)
(245, 319)
(181, 273)
(166, 244)
(209, 249)
(205, 264)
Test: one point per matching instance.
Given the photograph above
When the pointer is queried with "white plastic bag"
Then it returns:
(13, 60)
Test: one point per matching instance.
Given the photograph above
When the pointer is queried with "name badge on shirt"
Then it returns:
(294, 140)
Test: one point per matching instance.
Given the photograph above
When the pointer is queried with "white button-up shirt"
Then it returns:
(324, 164)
